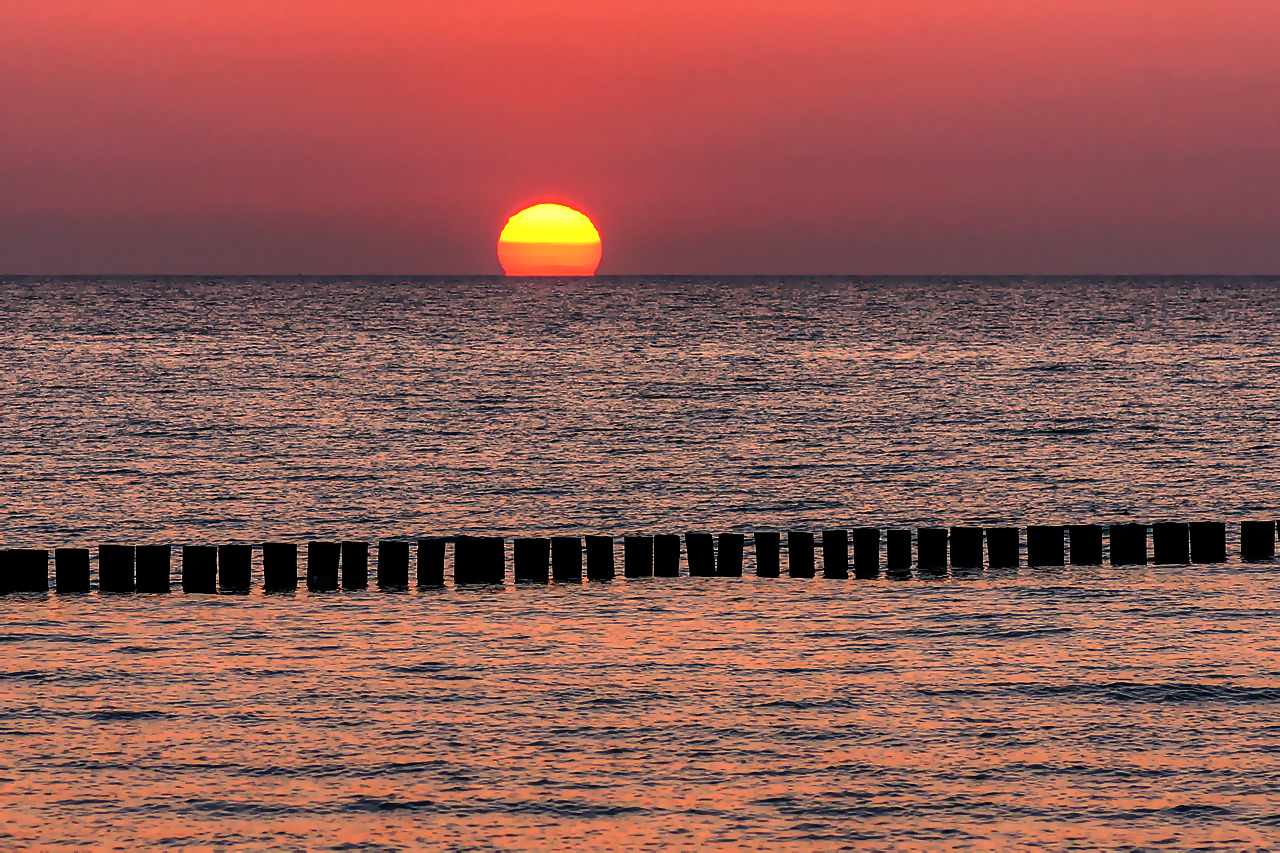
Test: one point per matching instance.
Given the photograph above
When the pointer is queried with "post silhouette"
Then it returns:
(235, 568)
(478, 560)
(600, 558)
(1128, 544)
(1170, 543)
(666, 556)
(355, 565)
(1208, 542)
(393, 564)
(279, 567)
(152, 568)
(637, 556)
(199, 569)
(701, 551)
(531, 560)
(897, 553)
(323, 559)
(71, 570)
(566, 559)
(1046, 545)
(931, 550)
(835, 554)
(1086, 544)
(430, 562)
(115, 568)
(27, 570)
(768, 548)
(1257, 540)
(866, 552)
(799, 554)
(966, 547)
(1002, 547)
(729, 559)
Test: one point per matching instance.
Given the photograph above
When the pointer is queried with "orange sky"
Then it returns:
(752, 136)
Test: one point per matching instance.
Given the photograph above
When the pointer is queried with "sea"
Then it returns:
(1069, 708)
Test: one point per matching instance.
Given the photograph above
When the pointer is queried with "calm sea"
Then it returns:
(1065, 708)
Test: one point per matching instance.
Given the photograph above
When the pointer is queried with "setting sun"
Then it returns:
(549, 239)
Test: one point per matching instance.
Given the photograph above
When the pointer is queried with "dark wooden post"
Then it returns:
(835, 554)
(115, 568)
(600, 558)
(235, 568)
(1208, 542)
(1086, 544)
(701, 551)
(355, 565)
(666, 556)
(1257, 540)
(729, 560)
(768, 548)
(200, 569)
(28, 570)
(897, 553)
(323, 559)
(393, 564)
(71, 569)
(431, 562)
(566, 559)
(931, 550)
(279, 567)
(479, 560)
(799, 554)
(966, 547)
(153, 568)
(1170, 544)
(531, 560)
(1046, 545)
(637, 556)
(1128, 544)
(866, 552)
(1002, 548)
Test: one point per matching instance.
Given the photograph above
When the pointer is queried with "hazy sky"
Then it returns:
(745, 136)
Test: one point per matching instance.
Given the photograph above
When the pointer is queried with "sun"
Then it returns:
(549, 239)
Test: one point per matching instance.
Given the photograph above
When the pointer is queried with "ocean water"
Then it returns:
(1065, 708)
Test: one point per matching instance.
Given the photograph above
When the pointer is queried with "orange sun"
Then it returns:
(549, 239)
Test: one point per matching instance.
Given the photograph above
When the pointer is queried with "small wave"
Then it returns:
(118, 715)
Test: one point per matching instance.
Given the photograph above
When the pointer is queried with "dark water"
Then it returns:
(1041, 708)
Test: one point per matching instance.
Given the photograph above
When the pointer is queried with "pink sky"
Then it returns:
(752, 136)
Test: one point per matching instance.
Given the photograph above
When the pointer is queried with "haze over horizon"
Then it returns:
(715, 137)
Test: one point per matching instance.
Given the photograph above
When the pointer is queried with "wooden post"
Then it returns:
(355, 565)
(768, 548)
(279, 567)
(531, 560)
(200, 569)
(931, 550)
(1086, 544)
(28, 570)
(1170, 544)
(393, 564)
(152, 568)
(1257, 540)
(729, 560)
(235, 568)
(866, 552)
(115, 568)
(323, 559)
(431, 562)
(600, 558)
(1046, 545)
(566, 559)
(1208, 542)
(897, 554)
(1128, 544)
(71, 570)
(799, 554)
(835, 554)
(479, 560)
(637, 556)
(1002, 548)
(966, 547)
(701, 550)
(666, 556)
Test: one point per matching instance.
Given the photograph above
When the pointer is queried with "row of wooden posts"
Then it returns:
(482, 560)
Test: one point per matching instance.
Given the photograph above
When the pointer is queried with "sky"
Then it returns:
(849, 137)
